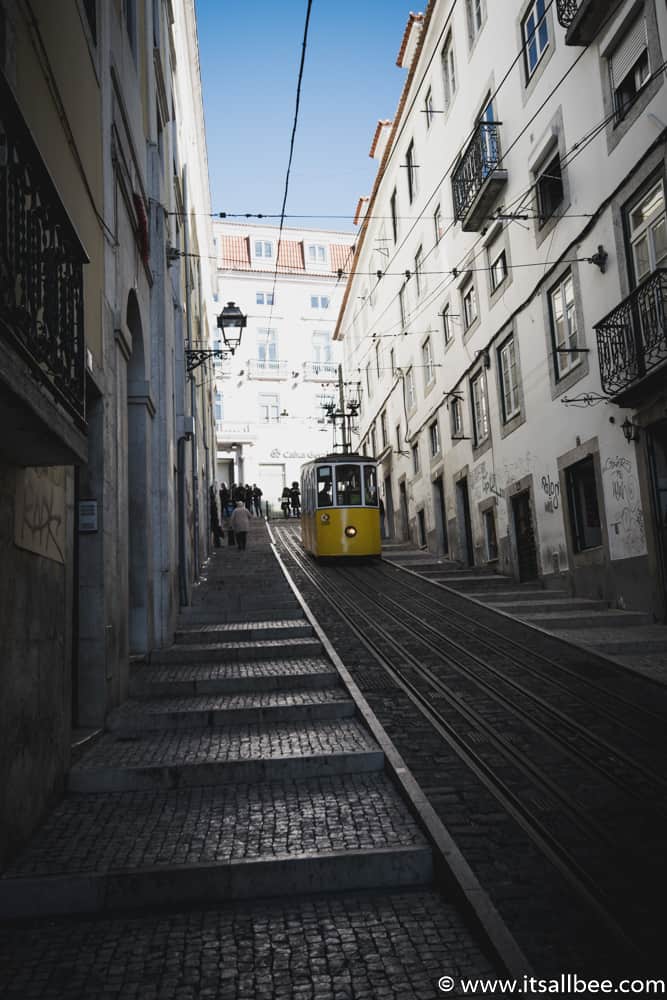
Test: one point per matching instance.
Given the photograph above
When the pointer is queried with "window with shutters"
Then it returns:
(629, 67)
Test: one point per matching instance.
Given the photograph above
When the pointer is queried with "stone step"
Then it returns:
(474, 583)
(228, 678)
(584, 619)
(526, 593)
(135, 717)
(199, 615)
(242, 753)
(235, 651)
(201, 845)
(651, 641)
(545, 606)
(243, 632)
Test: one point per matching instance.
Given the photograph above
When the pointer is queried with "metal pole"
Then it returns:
(341, 398)
(193, 387)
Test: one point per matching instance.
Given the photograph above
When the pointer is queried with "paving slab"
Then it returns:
(241, 676)
(248, 631)
(234, 651)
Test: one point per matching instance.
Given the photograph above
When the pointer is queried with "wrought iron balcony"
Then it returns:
(41, 266)
(264, 368)
(632, 341)
(320, 371)
(584, 18)
(477, 179)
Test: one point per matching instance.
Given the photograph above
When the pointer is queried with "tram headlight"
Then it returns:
(324, 518)
(350, 531)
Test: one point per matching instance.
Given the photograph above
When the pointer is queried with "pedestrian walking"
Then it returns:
(286, 500)
(295, 499)
(227, 525)
(257, 499)
(216, 529)
(248, 497)
(240, 522)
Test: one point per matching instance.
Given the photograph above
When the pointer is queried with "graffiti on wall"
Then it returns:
(39, 512)
(626, 518)
(551, 490)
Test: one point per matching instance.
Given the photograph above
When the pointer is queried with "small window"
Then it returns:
(448, 72)
(369, 381)
(434, 438)
(322, 348)
(456, 415)
(393, 204)
(469, 298)
(383, 429)
(415, 459)
(398, 437)
(475, 17)
(427, 362)
(410, 388)
(535, 31)
(348, 485)
(392, 361)
(263, 249)
(217, 406)
(269, 408)
(564, 326)
(446, 323)
(497, 267)
(437, 224)
(549, 187)
(316, 254)
(410, 171)
(509, 382)
(319, 302)
(428, 107)
(324, 486)
(629, 67)
(370, 486)
(378, 359)
(648, 232)
(374, 448)
(583, 502)
(419, 276)
(401, 306)
(490, 535)
(264, 298)
(267, 348)
(480, 408)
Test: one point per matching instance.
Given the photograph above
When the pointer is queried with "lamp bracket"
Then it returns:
(196, 357)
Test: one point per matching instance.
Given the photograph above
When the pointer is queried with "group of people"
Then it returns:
(290, 501)
(238, 505)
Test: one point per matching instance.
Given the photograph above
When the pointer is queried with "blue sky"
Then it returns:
(250, 52)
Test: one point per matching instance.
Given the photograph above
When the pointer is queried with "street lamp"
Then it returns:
(630, 430)
(232, 322)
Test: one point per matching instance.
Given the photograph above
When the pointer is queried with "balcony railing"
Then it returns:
(632, 339)
(239, 431)
(41, 266)
(263, 368)
(477, 179)
(584, 18)
(320, 371)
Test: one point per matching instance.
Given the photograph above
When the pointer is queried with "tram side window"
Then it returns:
(324, 497)
(348, 485)
(370, 486)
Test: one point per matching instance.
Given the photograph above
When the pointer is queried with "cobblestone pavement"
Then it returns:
(375, 947)
(373, 927)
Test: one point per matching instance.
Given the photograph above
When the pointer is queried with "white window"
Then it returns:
(434, 437)
(322, 347)
(218, 408)
(369, 380)
(264, 298)
(497, 266)
(648, 232)
(535, 31)
(419, 275)
(456, 414)
(316, 255)
(267, 348)
(629, 67)
(263, 248)
(319, 301)
(269, 408)
(438, 225)
(469, 299)
(410, 171)
(427, 362)
(410, 393)
(480, 408)
(509, 381)
(415, 459)
(383, 428)
(475, 16)
(448, 72)
(428, 107)
(564, 326)
(446, 323)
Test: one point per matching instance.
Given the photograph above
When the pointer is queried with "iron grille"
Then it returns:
(41, 265)
(565, 11)
(632, 339)
(480, 159)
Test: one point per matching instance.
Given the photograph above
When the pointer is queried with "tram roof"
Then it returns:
(340, 457)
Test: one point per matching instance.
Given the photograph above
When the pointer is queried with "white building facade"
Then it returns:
(270, 396)
(506, 305)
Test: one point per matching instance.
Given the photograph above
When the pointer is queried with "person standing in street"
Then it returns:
(240, 522)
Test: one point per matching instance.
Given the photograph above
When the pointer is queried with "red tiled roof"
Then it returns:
(378, 132)
(362, 205)
(412, 18)
(340, 255)
(290, 255)
(236, 252)
(235, 256)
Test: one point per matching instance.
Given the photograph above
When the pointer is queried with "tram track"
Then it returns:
(501, 729)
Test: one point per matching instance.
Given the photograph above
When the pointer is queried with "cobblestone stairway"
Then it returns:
(627, 636)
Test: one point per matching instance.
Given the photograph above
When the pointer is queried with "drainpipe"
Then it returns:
(183, 595)
(193, 387)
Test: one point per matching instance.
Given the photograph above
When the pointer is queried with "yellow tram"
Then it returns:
(340, 515)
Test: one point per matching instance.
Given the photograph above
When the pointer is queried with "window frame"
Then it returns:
(393, 207)
(543, 174)
(508, 414)
(469, 293)
(435, 442)
(428, 362)
(446, 317)
(263, 396)
(500, 255)
(410, 388)
(420, 281)
(560, 372)
(428, 108)
(457, 432)
(576, 515)
(541, 20)
(479, 406)
(416, 462)
(410, 170)
(449, 76)
(646, 230)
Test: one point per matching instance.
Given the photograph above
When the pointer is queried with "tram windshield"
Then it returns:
(348, 485)
(370, 485)
(324, 486)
